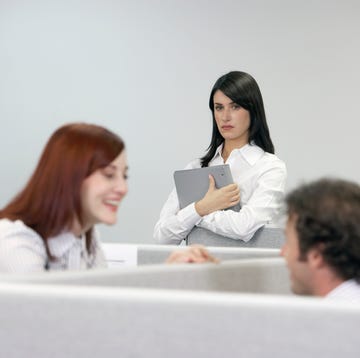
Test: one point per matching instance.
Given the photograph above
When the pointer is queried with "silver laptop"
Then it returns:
(192, 184)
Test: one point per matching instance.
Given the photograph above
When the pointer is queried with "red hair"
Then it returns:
(50, 201)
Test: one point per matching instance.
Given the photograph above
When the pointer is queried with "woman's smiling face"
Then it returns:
(102, 192)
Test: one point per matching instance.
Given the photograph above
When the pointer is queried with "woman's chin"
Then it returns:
(109, 221)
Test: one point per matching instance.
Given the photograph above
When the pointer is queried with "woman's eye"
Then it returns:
(218, 108)
(236, 106)
(108, 174)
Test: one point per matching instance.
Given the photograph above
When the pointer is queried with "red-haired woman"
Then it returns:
(78, 182)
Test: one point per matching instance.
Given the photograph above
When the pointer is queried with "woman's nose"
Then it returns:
(226, 115)
(121, 186)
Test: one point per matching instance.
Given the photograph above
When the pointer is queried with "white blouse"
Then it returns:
(22, 250)
(261, 177)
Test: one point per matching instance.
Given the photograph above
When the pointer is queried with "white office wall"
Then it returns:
(144, 68)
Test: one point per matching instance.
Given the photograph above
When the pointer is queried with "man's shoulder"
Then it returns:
(348, 291)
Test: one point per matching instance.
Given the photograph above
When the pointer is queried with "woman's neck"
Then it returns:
(77, 229)
(229, 146)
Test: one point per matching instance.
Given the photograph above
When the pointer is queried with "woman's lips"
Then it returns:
(227, 127)
(112, 204)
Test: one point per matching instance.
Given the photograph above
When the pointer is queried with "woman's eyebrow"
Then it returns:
(222, 104)
(111, 166)
(115, 167)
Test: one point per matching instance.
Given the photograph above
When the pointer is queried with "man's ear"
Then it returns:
(315, 257)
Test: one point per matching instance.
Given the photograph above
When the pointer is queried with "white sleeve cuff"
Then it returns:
(189, 216)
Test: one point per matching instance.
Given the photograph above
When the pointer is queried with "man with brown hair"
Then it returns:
(322, 247)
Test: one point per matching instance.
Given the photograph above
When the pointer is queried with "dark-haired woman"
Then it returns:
(241, 139)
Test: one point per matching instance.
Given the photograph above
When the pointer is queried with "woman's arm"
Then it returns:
(174, 224)
(263, 205)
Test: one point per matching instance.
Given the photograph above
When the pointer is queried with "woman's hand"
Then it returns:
(218, 199)
(192, 254)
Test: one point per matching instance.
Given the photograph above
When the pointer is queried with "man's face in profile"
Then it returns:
(299, 271)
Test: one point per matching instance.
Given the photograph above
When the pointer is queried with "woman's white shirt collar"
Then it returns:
(250, 152)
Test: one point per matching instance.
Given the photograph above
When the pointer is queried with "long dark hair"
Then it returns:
(241, 88)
